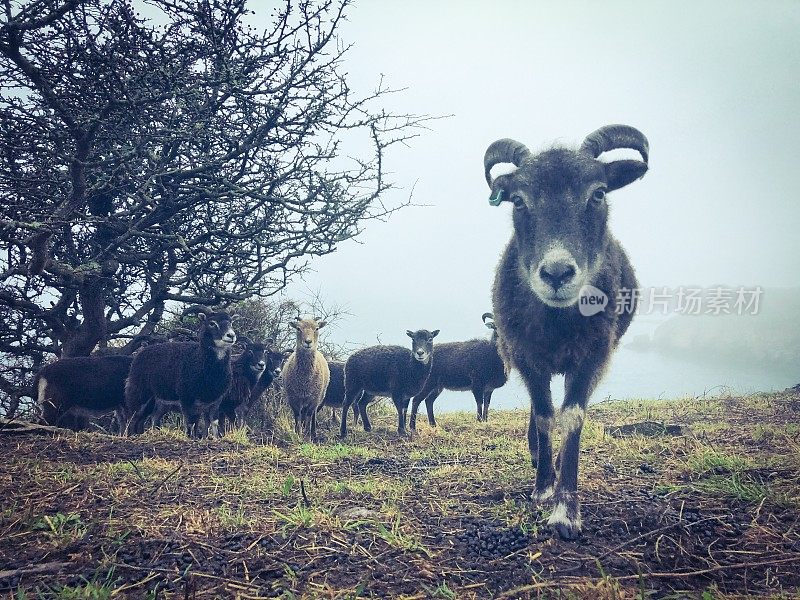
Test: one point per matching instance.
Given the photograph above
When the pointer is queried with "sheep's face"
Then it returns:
(275, 362)
(255, 356)
(422, 344)
(307, 332)
(560, 222)
(218, 329)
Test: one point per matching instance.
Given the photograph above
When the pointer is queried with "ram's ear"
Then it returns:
(201, 316)
(622, 172)
(321, 324)
(434, 333)
(409, 333)
(294, 324)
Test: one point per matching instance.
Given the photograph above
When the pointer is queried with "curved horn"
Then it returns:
(244, 339)
(196, 308)
(503, 151)
(487, 315)
(612, 137)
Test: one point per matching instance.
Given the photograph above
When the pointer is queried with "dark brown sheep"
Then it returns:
(72, 390)
(246, 370)
(560, 265)
(393, 371)
(194, 375)
(473, 365)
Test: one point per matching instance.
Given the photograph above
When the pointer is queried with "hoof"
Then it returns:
(566, 519)
(568, 532)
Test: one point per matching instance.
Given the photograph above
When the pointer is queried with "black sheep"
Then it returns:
(192, 374)
(334, 395)
(246, 369)
(72, 390)
(473, 365)
(564, 291)
(393, 371)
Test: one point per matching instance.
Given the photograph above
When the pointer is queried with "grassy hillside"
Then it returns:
(714, 511)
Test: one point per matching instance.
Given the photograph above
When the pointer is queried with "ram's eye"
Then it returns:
(599, 195)
(518, 201)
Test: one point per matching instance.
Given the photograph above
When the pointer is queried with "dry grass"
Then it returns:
(713, 511)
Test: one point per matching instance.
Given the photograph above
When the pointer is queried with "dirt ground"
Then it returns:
(711, 512)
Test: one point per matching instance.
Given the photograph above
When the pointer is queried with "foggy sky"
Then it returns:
(715, 86)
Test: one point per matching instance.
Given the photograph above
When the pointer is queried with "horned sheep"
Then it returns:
(561, 252)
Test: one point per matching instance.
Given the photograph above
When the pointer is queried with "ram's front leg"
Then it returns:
(539, 430)
(566, 515)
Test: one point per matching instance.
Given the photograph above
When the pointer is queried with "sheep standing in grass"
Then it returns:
(194, 375)
(473, 365)
(246, 370)
(305, 377)
(72, 390)
(564, 290)
(392, 371)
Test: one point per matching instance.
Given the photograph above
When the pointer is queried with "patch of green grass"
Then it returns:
(396, 537)
(298, 517)
(238, 435)
(735, 485)
(707, 460)
(383, 488)
(440, 591)
(61, 529)
(335, 452)
(231, 518)
(100, 587)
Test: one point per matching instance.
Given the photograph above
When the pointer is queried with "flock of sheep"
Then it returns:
(214, 390)
(560, 245)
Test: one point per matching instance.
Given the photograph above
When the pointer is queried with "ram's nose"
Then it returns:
(558, 273)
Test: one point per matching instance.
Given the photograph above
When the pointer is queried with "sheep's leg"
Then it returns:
(477, 393)
(191, 420)
(566, 515)
(539, 429)
(361, 409)
(140, 416)
(297, 428)
(313, 424)
(429, 405)
(487, 398)
(401, 404)
(428, 395)
(350, 397)
(416, 401)
(158, 413)
(212, 423)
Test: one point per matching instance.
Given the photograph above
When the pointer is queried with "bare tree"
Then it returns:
(190, 159)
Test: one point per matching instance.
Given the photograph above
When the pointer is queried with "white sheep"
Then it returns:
(305, 377)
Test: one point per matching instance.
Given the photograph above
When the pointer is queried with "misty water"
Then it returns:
(637, 374)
